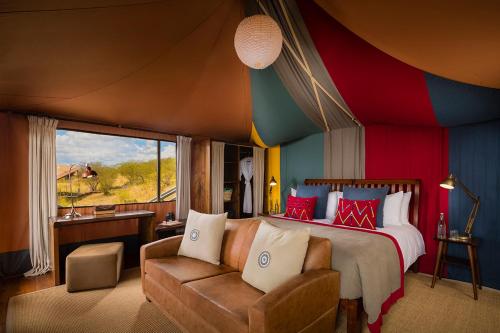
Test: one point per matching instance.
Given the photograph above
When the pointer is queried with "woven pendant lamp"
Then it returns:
(258, 41)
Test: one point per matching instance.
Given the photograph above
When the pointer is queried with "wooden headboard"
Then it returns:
(395, 185)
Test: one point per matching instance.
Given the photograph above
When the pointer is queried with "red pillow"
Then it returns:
(357, 213)
(300, 208)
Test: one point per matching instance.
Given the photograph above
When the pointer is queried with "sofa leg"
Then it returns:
(353, 308)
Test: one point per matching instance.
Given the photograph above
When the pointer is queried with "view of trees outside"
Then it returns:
(167, 171)
(126, 169)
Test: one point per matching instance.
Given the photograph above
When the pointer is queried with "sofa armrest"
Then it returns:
(159, 249)
(297, 303)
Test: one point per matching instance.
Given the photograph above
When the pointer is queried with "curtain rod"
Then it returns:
(90, 122)
(239, 145)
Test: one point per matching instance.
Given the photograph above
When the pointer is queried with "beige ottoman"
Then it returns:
(94, 266)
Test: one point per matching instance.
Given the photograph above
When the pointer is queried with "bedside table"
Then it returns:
(472, 262)
(169, 229)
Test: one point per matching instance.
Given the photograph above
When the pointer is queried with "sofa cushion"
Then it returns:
(223, 300)
(171, 272)
(318, 255)
(276, 255)
(235, 239)
(203, 236)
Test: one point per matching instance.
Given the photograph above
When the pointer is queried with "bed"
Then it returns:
(394, 249)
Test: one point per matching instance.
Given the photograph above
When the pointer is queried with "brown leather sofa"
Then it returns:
(202, 297)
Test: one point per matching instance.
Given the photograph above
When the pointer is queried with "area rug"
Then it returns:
(449, 307)
(119, 309)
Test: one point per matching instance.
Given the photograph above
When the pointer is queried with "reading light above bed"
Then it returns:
(449, 183)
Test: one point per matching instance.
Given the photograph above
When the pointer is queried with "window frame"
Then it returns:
(158, 165)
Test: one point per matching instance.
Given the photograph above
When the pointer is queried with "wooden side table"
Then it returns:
(472, 263)
(169, 229)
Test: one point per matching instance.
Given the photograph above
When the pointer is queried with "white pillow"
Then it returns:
(276, 256)
(392, 209)
(332, 204)
(203, 236)
(405, 208)
(293, 191)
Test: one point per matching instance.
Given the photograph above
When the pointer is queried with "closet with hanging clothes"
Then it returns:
(238, 180)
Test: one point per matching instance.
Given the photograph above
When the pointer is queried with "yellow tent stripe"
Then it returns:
(255, 137)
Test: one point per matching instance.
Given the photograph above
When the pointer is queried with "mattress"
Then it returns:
(409, 239)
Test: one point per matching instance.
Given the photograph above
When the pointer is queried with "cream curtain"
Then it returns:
(258, 180)
(344, 153)
(217, 171)
(42, 190)
(183, 202)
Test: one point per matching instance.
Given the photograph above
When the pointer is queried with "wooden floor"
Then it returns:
(17, 286)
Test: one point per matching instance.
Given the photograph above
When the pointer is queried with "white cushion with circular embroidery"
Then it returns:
(203, 236)
(276, 255)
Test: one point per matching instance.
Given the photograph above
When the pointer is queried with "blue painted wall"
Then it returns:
(300, 159)
(475, 159)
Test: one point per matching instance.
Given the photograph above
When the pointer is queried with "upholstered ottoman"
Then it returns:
(94, 266)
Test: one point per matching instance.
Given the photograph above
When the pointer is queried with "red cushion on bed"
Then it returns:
(357, 213)
(300, 208)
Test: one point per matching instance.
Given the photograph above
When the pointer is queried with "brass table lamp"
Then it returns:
(450, 183)
(87, 173)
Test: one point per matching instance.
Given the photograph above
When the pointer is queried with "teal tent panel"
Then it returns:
(299, 160)
(276, 116)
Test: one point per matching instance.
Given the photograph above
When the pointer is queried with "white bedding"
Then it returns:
(409, 239)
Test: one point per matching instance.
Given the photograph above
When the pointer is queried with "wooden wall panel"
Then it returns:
(200, 175)
(14, 147)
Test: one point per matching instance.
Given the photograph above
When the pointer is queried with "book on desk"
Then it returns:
(105, 210)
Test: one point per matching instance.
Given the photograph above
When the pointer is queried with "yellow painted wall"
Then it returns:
(273, 169)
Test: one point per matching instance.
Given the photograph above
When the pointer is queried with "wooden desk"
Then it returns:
(472, 263)
(146, 231)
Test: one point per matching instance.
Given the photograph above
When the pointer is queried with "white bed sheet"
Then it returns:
(410, 242)
(409, 239)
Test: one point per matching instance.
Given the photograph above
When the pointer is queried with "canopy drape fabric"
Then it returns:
(246, 171)
(258, 181)
(42, 190)
(183, 202)
(344, 153)
(296, 73)
(217, 171)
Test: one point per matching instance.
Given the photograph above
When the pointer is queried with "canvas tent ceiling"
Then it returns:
(458, 40)
(168, 66)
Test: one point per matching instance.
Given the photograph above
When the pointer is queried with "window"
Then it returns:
(129, 170)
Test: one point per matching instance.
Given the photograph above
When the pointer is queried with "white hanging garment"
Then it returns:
(246, 170)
